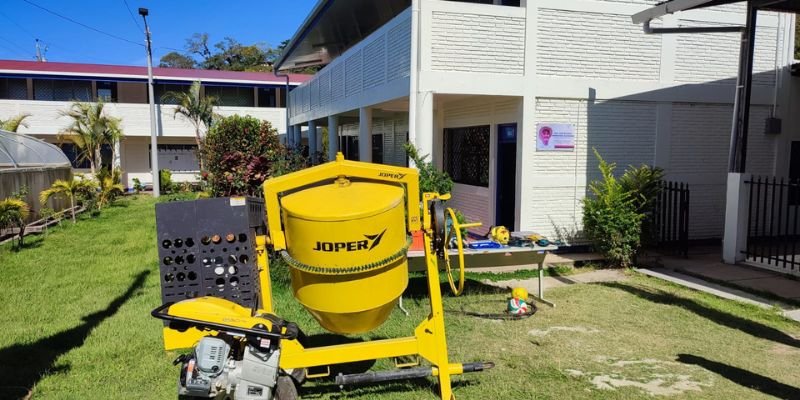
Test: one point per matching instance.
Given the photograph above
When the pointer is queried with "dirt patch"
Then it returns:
(654, 377)
(575, 329)
(784, 350)
(660, 385)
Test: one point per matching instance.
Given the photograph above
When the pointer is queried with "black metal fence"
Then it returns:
(773, 231)
(668, 225)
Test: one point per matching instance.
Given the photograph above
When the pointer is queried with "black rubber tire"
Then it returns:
(285, 389)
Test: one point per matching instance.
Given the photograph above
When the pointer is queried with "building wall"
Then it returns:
(660, 100)
(467, 41)
(477, 202)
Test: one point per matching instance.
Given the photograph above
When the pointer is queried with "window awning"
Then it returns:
(673, 6)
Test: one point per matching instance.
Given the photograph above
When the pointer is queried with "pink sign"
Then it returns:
(555, 137)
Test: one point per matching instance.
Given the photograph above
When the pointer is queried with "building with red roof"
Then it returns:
(44, 89)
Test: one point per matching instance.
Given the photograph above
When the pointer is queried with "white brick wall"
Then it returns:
(699, 155)
(594, 45)
(622, 132)
(477, 43)
(714, 57)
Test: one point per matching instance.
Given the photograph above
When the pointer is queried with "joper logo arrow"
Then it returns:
(376, 239)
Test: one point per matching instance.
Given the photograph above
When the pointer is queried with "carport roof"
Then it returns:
(672, 6)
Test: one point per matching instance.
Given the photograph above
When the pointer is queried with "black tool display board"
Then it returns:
(206, 247)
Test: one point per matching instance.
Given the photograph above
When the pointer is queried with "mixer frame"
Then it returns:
(428, 342)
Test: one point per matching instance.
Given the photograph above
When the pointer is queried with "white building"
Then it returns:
(43, 90)
(469, 82)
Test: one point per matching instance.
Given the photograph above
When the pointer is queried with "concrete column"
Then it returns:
(312, 139)
(734, 241)
(424, 124)
(297, 133)
(365, 134)
(333, 136)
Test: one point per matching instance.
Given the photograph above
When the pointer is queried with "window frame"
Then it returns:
(471, 151)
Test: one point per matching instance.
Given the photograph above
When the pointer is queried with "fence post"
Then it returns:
(734, 241)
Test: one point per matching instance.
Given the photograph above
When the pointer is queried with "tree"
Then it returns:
(13, 213)
(90, 129)
(199, 111)
(71, 190)
(241, 152)
(174, 59)
(12, 124)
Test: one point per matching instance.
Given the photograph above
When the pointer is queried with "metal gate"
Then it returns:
(773, 236)
(668, 225)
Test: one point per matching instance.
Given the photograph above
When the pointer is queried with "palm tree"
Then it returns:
(69, 189)
(199, 111)
(12, 124)
(90, 129)
(109, 187)
(13, 213)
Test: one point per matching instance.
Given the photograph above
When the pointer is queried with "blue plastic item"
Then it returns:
(485, 244)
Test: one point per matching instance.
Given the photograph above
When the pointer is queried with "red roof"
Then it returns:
(130, 71)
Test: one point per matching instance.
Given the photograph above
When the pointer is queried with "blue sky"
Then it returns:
(171, 22)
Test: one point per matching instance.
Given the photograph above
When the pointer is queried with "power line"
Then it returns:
(111, 35)
(132, 16)
(10, 50)
(22, 28)
(13, 44)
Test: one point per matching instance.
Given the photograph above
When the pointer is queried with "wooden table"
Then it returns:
(483, 258)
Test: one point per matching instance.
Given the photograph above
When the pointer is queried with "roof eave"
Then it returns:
(668, 7)
(307, 24)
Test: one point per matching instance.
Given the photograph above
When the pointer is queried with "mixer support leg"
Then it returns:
(431, 334)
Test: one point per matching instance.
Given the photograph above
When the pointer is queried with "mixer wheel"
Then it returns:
(438, 224)
(286, 390)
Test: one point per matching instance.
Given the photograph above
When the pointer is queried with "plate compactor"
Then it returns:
(343, 228)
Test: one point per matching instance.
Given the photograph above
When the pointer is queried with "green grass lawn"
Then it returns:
(76, 325)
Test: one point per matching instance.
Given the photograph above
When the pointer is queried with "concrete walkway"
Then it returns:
(549, 282)
(708, 266)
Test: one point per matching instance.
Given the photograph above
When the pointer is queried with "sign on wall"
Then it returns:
(555, 137)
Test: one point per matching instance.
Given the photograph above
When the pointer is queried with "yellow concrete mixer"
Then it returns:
(344, 229)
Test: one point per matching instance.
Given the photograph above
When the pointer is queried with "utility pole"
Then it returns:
(40, 53)
(153, 123)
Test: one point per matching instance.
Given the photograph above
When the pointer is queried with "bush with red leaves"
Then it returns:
(240, 153)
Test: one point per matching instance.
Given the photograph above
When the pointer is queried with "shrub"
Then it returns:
(108, 186)
(240, 154)
(13, 214)
(431, 179)
(610, 217)
(644, 184)
(165, 184)
(138, 187)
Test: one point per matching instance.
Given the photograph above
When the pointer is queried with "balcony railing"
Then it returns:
(46, 119)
